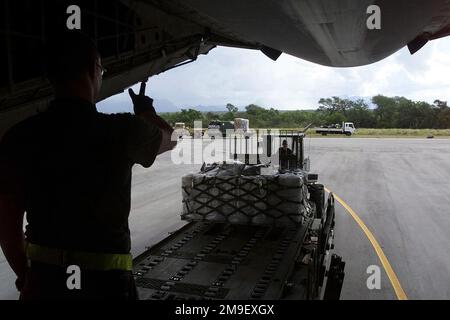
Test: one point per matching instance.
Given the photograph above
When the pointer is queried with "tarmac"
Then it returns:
(398, 187)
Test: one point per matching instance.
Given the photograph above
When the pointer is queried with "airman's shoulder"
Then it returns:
(23, 128)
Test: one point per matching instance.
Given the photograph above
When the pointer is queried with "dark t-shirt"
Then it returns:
(285, 157)
(71, 169)
(285, 153)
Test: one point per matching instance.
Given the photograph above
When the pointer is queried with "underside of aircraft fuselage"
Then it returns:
(141, 38)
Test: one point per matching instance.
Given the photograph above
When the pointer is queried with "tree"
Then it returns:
(440, 104)
(361, 115)
(390, 112)
(442, 114)
(209, 116)
(230, 115)
(231, 108)
(254, 109)
(189, 116)
(335, 104)
(386, 111)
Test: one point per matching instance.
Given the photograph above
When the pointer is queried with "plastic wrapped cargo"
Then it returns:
(226, 193)
(242, 124)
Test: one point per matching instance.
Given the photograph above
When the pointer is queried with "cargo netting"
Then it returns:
(237, 193)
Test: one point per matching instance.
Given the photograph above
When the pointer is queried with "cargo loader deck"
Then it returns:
(221, 261)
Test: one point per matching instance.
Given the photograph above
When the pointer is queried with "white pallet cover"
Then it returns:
(224, 195)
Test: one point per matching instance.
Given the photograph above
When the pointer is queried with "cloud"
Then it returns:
(241, 77)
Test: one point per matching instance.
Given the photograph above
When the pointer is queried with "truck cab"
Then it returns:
(348, 128)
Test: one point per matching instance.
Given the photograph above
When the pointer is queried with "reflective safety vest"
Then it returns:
(84, 260)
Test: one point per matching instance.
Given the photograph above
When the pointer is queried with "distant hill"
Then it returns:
(119, 105)
(217, 109)
(161, 105)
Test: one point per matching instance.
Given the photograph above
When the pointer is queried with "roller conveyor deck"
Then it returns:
(205, 260)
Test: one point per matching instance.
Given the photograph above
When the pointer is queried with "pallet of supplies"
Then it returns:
(236, 193)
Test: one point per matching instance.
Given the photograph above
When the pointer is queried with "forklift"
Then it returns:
(226, 261)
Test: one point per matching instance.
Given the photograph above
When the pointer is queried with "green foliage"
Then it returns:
(399, 112)
(232, 109)
(389, 112)
(188, 116)
(336, 110)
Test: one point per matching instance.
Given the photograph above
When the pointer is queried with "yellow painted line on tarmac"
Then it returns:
(401, 295)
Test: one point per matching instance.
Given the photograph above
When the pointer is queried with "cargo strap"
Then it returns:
(85, 260)
(236, 194)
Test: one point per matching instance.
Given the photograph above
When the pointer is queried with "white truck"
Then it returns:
(346, 128)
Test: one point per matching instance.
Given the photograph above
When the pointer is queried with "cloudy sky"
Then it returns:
(242, 77)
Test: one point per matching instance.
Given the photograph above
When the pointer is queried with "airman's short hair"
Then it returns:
(68, 55)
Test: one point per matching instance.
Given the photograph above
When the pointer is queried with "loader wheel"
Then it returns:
(318, 197)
